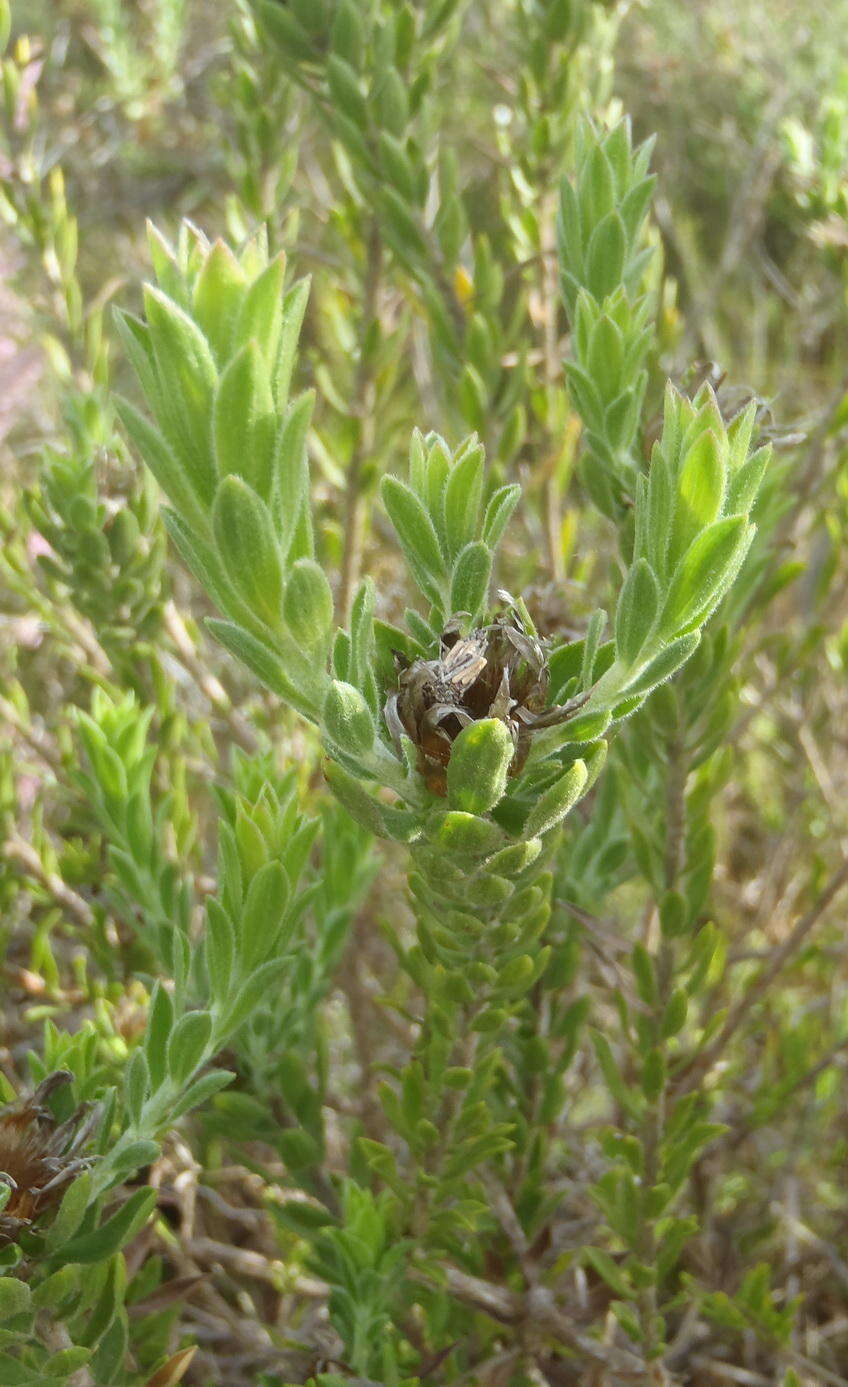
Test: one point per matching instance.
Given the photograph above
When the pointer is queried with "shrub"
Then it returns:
(418, 958)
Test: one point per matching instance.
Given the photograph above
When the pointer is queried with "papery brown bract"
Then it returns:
(39, 1155)
(498, 671)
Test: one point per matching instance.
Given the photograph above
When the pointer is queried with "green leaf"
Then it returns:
(347, 720)
(217, 298)
(308, 605)
(674, 1015)
(159, 1022)
(745, 483)
(606, 356)
(591, 644)
(262, 916)
(245, 539)
(661, 501)
(220, 948)
(519, 974)
(700, 490)
(294, 307)
(132, 1158)
(556, 802)
(63, 1364)
(605, 256)
(663, 665)
(377, 818)
(202, 561)
(302, 695)
(298, 1148)
(293, 39)
(109, 1356)
(620, 1091)
(608, 1270)
(636, 611)
(245, 421)
(470, 580)
(478, 766)
(396, 165)
(462, 498)
(261, 313)
(499, 512)
(163, 463)
(401, 228)
(136, 1084)
(13, 1373)
(417, 537)
(187, 379)
(250, 995)
(346, 92)
(628, 1319)
(362, 643)
(391, 102)
(71, 1211)
(188, 1045)
(106, 1240)
(201, 1091)
(643, 970)
(291, 498)
(464, 833)
(135, 338)
(704, 574)
(15, 1297)
(301, 1217)
(351, 793)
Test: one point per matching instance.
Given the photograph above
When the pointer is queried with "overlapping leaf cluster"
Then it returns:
(439, 969)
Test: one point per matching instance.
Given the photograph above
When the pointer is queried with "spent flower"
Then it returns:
(39, 1156)
(498, 671)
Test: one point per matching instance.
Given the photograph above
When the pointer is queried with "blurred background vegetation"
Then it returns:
(164, 109)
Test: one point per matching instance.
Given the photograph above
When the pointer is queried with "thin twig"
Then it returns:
(818, 1370)
(246, 1262)
(362, 403)
(539, 1310)
(729, 1372)
(37, 741)
(16, 849)
(211, 687)
(691, 1076)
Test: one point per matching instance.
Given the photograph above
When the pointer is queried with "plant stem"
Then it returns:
(654, 1122)
(354, 518)
(705, 1061)
(549, 292)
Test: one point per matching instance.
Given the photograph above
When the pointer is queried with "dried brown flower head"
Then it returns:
(499, 671)
(38, 1155)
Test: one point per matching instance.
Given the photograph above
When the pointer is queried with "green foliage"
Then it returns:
(603, 262)
(430, 978)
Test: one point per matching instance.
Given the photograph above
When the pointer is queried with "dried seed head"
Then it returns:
(499, 671)
(38, 1155)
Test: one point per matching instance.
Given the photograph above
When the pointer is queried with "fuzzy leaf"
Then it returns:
(417, 536)
(245, 539)
(347, 719)
(308, 605)
(704, 574)
(470, 581)
(556, 802)
(636, 611)
(187, 1044)
(479, 762)
(245, 421)
(105, 1241)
